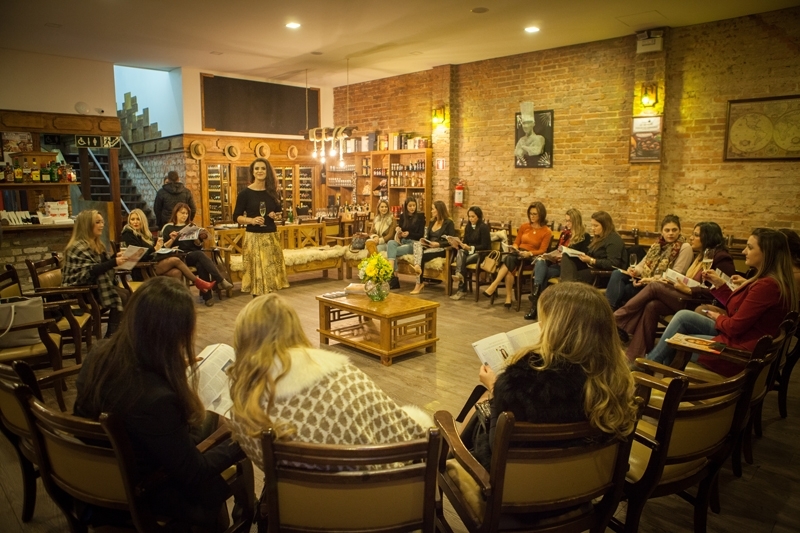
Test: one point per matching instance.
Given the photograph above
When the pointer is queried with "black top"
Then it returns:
(160, 436)
(610, 252)
(168, 197)
(414, 225)
(131, 239)
(478, 236)
(552, 396)
(249, 202)
(582, 246)
(183, 246)
(447, 228)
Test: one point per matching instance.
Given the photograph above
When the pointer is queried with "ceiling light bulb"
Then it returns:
(332, 153)
(322, 157)
(341, 163)
(293, 25)
(531, 29)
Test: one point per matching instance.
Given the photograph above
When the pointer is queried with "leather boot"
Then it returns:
(533, 312)
(394, 283)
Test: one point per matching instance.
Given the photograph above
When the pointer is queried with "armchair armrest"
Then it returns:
(444, 420)
(50, 377)
(651, 367)
(221, 434)
(31, 325)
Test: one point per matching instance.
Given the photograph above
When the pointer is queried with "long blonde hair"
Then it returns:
(382, 222)
(266, 330)
(144, 233)
(83, 231)
(577, 326)
(578, 229)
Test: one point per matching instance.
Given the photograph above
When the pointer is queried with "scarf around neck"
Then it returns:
(661, 256)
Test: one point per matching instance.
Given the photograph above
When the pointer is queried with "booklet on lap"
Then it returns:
(675, 276)
(696, 344)
(494, 350)
(132, 255)
(213, 379)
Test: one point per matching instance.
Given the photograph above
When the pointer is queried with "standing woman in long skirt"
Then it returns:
(257, 208)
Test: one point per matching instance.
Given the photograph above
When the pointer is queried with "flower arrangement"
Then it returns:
(375, 268)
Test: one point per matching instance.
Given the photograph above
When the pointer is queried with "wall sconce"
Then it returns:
(438, 115)
(649, 94)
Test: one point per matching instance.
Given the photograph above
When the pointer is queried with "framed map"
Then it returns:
(763, 129)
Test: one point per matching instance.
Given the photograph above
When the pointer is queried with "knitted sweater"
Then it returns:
(330, 401)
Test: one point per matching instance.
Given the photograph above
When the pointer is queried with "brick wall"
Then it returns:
(17, 246)
(591, 87)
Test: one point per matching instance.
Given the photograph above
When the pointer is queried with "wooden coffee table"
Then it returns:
(395, 326)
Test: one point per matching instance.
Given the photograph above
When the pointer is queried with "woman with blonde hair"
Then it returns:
(136, 233)
(576, 372)
(305, 394)
(383, 226)
(87, 262)
(435, 243)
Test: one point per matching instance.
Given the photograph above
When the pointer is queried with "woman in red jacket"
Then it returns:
(533, 238)
(753, 309)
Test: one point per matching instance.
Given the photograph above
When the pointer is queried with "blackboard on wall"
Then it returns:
(247, 106)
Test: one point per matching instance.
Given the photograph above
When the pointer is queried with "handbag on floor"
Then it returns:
(18, 311)
(491, 263)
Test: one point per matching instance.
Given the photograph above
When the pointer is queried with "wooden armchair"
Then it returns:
(67, 447)
(14, 425)
(783, 371)
(141, 272)
(543, 477)
(500, 233)
(694, 432)
(337, 492)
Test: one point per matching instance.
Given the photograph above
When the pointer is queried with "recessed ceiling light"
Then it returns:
(532, 29)
(479, 10)
(52, 25)
(316, 53)
(293, 25)
(216, 53)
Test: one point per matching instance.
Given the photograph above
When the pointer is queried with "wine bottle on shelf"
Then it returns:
(17, 172)
(8, 173)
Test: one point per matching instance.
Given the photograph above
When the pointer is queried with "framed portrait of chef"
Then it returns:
(533, 141)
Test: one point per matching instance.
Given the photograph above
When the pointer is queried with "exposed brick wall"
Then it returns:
(592, 87)
(17, 246)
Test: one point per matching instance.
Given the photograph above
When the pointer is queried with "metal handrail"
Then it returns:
(138, 163)
(103, 172)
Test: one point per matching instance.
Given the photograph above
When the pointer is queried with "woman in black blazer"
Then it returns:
(476, 238)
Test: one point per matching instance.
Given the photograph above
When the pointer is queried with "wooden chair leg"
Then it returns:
(29, 475)
(736, 456)
(786, 373)
(713, 499)
(757, 412)
(747, 440)
(701, 504)
(634, 514)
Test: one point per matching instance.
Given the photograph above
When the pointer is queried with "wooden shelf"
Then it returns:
(36, 185)
(37, 227)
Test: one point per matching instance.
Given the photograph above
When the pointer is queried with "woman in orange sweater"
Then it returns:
(533, 239)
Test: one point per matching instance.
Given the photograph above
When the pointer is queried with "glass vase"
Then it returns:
(377, 290)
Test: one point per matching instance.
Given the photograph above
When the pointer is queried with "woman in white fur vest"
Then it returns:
(306, 394)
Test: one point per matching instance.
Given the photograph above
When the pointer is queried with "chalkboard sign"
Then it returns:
(247, 106)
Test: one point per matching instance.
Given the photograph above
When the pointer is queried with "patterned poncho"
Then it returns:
(330, 401)
(78, 262)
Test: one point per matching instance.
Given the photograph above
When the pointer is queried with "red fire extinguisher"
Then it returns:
(459, 196)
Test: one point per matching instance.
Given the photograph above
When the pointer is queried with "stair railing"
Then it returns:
(138, 163)
(103, 172)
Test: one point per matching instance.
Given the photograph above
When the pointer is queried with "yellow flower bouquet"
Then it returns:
(376, 271)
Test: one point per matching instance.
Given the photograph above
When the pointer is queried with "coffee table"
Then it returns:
(395, 326)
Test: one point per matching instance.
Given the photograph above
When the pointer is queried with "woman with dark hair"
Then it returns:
(606, 249)
(195, 256)
(793, 240)
(547, 266)
(533, 239)
(435, 243)
(753, 309)
(410, 228)
(476, 238)
(87, 262)
(670, 251)
(140, 375)
(637, 320)
(257, 208)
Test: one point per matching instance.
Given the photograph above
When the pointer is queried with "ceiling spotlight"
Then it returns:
(479, 10)
(316, 53)
(215, 53)
(293, 25)
(532, 29)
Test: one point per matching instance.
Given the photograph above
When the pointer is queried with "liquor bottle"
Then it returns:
(8, 173)
(44, 172)
(26, 170)
(17, 172)
(35, 175)
(53, 172)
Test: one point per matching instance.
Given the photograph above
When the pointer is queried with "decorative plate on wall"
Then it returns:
(197, 150)
(232, 152)
(262, 150)
(291, 153)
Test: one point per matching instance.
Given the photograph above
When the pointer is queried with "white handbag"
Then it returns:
(18, 311)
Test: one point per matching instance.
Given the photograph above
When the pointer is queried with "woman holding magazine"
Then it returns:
(533, 239)
(670, 251)
(546, 266)
(476, 238)
(637, 320)
(141, 376)
(435, 243)
(306, 394)
(753, 309)
(186, 237)
(576, 372)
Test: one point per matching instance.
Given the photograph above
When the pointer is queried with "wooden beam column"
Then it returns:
(86, 178)
(116, 200)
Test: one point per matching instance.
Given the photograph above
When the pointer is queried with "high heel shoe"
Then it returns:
(418, 288)
(507, 305)
(204, 285)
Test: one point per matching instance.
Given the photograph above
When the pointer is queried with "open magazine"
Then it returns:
(132, 255)
(675, 276)
(572, 252)
(494, 350)
(189, 232)
(695, 343)
(213, 387)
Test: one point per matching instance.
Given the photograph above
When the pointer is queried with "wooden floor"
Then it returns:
(766, 498)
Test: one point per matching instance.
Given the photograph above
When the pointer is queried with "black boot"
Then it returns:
(394, 283)
(533, 312)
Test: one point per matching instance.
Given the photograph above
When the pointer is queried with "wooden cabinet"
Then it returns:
(367, 177)
(297, 186)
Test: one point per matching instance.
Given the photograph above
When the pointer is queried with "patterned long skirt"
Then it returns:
(262, 258)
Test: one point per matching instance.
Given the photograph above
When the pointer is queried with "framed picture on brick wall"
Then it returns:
(645, 145)
(763, 129)
(533, 142)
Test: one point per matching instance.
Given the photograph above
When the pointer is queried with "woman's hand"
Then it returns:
(737, 280)
(525, 255)
(586, 259)
(681, 287)
(713, 278)
(173, 235)
(203, 235)
(487, 377)
(120, 259)
(712, 315)
(434, 245)
(259, 221)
